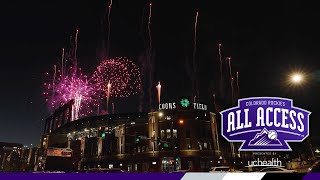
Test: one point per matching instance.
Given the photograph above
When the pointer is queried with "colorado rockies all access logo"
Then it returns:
(265, 124)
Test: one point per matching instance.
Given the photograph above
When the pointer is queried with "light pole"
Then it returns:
(298, 79)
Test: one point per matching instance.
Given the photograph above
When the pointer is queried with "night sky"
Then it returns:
(266, 41)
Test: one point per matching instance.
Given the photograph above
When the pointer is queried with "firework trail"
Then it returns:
(74, 86)
(62, 62)
(220, 59)
(238, 88)
(76, 48)
(150, 62)
(54, 79)
(194, 52)
(150, 57)
(159, 91)
(122, 73)
(109, 24)
(108, 95)
(229, 63)
(231, 78)
(149, 29)
(216, 127)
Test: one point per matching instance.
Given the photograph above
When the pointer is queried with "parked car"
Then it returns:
(220, 169)
(277, 170)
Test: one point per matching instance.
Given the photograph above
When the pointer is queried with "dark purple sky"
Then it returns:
(266, 41)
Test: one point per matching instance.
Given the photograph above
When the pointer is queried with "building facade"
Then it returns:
(179, 136)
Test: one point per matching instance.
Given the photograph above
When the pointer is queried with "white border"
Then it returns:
(243, 141)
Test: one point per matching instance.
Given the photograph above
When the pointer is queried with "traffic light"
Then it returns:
(103, 135)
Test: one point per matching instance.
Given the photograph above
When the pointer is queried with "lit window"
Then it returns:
(205, 145)
(175, 133)
(138, 149)
(162, 134)
(200, 145)
(168, 133)
(188, 144)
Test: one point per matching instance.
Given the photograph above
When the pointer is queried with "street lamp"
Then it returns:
(297, 78)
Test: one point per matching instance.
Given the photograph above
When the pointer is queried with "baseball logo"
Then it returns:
(272, 134)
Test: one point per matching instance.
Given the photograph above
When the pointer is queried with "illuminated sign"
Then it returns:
(59, 152)
(265, 124)
(184, 104)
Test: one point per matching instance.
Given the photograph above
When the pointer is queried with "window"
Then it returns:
(200, 145)
(205, 145)
(162, 134)
(188, 133)
(138, 149)
(129, 167)
(175, 133)
(168, 134)
(147, 148)
(188, 144)
(143, 149)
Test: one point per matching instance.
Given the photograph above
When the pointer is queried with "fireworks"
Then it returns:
(123, 75)
(74, 86)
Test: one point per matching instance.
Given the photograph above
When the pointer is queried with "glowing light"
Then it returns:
(297, 78)
(122, 73)
(159, 91)
(181, 121)
(73, 86)
(160, 114)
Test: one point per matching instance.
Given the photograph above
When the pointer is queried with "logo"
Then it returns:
(265, 124)
(184, 102)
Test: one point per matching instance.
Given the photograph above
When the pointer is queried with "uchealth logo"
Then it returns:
(265, 124)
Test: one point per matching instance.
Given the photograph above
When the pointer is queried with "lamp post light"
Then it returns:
(296, 78)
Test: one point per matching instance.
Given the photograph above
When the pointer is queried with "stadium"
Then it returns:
(180, 135)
